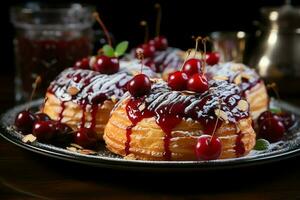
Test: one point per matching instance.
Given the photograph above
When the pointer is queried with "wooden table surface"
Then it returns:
(26, 175)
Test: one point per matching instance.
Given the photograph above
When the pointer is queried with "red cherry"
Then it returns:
(160, 43)
(64, 134)
(265, 115)
(208, 147)
(148, 50)
(86, 137)
(24, 121)
(192, 66)
(198, 83)
(44, 131)
(288, 119)
(212, 58)
(83, 64)
(106, 65)
(42, 117)
(178, 81)
(271, 129)
(139, 85)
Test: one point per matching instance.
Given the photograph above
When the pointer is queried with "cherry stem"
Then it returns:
(37, 81)
(140, 56)
(158, 18)
(204, 40)
(273, 86)
(145, 24)
(188, 52)
(197, 42)
(98, 19)
(217, 121)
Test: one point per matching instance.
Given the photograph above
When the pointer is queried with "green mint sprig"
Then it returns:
(117, 52)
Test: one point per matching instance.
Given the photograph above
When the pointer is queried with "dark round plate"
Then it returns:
(290, 147)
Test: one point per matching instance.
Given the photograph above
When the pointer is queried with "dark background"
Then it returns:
(181, 19)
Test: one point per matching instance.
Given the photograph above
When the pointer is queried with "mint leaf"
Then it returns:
(108, 50)
(275, 110)
(121, 48)
(261, 144)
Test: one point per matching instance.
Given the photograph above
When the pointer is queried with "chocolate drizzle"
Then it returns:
(170, 107)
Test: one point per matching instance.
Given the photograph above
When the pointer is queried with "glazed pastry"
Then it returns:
(166, 124)
(84, 98)
(251, 85)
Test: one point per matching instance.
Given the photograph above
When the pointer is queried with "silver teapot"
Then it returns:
(277, 55)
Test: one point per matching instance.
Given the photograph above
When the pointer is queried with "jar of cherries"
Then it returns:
(48, 38)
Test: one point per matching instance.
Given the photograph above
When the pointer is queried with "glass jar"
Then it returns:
(47, 40)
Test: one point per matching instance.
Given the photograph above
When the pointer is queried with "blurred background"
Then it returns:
(268, 32)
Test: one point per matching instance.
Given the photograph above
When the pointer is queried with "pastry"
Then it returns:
(166, 124)
(84, 97)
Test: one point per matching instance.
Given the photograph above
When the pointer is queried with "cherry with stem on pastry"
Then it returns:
(106, 33)
(140, 84)
(84, 63)
(212, 58)
(209, 147)
(160, 42)
(198, 83)
(147, 49)
(106, 65)
(44, 131)
(86, 137)
(178, 81)
(193, 65)
(25, 120)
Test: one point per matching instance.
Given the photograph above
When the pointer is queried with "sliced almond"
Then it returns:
(73, 149)
(114, 99)
(29, 138)
(238, 79)
(73, 90)
(237, 67)
(142, 107)
(220, 78)
(76, 146)
(221, 114)
(87, 152)
(92, 60)
(243, 105)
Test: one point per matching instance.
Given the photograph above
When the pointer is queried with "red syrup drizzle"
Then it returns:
(63, 107)
(94, 114)
(239, 145)
(171, 112)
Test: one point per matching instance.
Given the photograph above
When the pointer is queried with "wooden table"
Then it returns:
(25, 175)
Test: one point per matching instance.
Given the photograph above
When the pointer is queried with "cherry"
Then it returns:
(271, 129)
(208, 147)
(63, 134)
(192, 66)
(139, 85)
(288, 119)
(86, 137)
(106, 65)
(265, 115)
(83, 64)
(44, 131)
(147, 50)
(197, 83)
(159, 42)
(42, 117)
(178, 80)
(212, 58)
(24, 121)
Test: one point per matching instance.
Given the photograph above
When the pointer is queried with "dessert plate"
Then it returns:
(290, 147)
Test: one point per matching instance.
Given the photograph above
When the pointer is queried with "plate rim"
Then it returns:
(120, 163)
